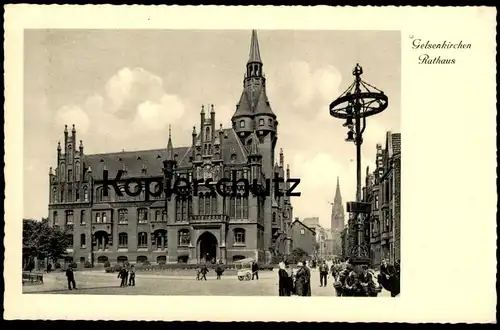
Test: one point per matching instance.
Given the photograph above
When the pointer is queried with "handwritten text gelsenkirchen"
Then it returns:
(425, 58)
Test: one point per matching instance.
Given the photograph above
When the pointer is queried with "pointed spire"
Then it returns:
(254, 56)
(73, 130)
(194, 131)
(338, 196)
(65, 128)
(50, 171)
(212, 109)
(202, 109)
(170, 148)
(58, 145)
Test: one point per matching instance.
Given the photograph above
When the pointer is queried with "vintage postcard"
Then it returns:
(158, 158)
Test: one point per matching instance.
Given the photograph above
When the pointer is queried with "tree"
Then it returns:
(43, 241)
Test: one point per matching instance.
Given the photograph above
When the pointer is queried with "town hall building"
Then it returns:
(181, 228)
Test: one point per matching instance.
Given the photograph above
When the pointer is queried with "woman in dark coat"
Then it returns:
(301, 280)
(285, 280)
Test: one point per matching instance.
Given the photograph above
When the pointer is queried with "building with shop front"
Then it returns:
(117, 226)
(383, 191)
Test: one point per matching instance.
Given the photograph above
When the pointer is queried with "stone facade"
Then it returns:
(383, 191)
(179, 228)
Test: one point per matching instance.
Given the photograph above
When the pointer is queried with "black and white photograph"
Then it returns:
(245, 163)
(291, 137)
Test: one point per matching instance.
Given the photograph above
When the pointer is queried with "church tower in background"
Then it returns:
(337, 220)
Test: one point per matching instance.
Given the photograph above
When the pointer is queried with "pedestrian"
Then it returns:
(255, 270)
(350, 288)
(219, 269)
(366, 283)
(308, 280)
(204, 271)
(122, 274)
(386, 276)
(131, 281)
(285, 279)
(323, 274)
(49, 267)
(301, 280)
(71, 278)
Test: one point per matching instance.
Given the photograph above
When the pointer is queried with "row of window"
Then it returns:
(238, 209)
(61, 197)
(69, 174)
(159, 239)
(261, 122)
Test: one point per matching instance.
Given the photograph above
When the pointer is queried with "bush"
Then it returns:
(57, 265)
(107, 264)
(87, 264)
(117, 268)
(109, 269)
(73, 265)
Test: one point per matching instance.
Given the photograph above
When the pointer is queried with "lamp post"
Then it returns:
(354, 105)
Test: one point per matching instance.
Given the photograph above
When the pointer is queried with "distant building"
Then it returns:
(337, 222)
(321, 236)
(303, 237)
(383, 190)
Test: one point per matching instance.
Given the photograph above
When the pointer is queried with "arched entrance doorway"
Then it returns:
(207, 247)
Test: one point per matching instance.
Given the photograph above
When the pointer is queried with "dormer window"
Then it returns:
(261, 122)
(270, 121)
(242, 124)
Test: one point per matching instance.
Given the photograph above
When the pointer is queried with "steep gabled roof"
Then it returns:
(263, 106)
(243, 108)
(132, 161)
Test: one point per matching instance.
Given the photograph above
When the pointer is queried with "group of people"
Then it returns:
(127, 276)
(202, 271)
(294, 283)
(348, 280)
(363, 282)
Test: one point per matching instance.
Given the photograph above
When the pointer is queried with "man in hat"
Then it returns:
(350, 287)
(301, 280)
(70, 275)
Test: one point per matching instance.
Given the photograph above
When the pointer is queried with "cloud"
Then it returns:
(308, 86)
(72, 114)
(134, 109)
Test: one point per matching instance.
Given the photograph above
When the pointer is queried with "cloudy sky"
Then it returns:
(123, 88)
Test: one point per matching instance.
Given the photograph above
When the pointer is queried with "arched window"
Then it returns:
(77, 171)
(69, 217)
(242, 124)
(164, 215)
(122, 217)
(239, 236)
(261, 122)
(85, 194)
(62, 172)
(83, 241)
(181, 209)
(274, 217)
(98, 217)
(123, 240)
(142, 216)
(270, 121)
(157, 215)
(207, 134)
(142, 240)
(54, 195)
(213, 204)
(70, 154)
(238, 207)
(104, 218)
(82, 217)
(123, 194)
(70, 175)
(184, 237)
(55, 218)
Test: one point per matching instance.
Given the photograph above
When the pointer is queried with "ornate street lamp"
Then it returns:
(354, 105)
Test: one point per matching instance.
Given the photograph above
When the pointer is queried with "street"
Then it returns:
(97, 282)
